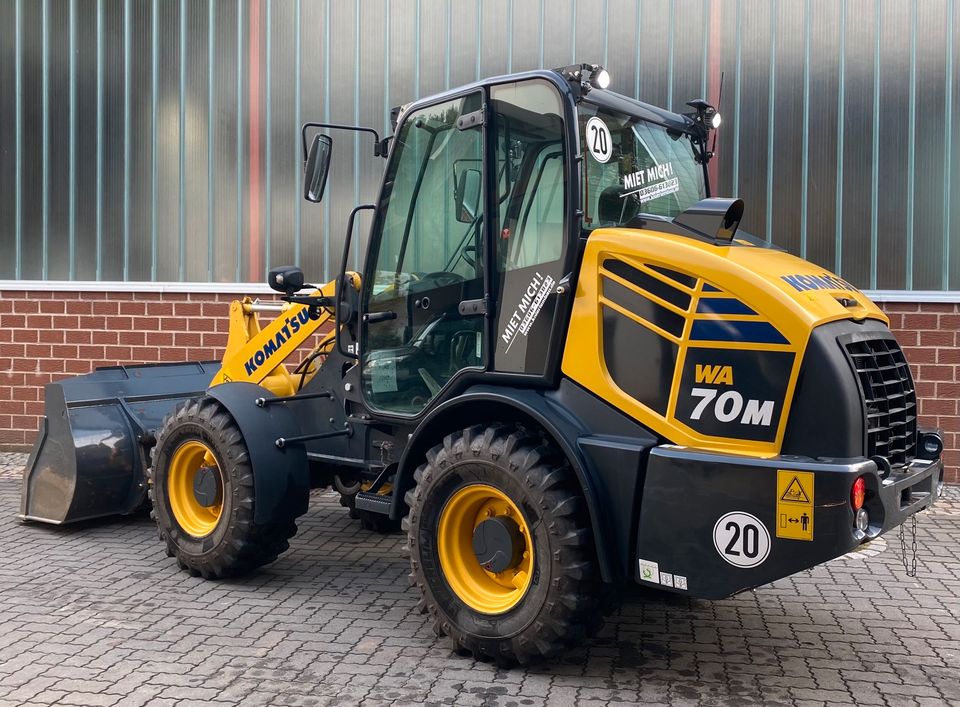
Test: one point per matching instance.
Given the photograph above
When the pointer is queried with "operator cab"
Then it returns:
(485, 166)
(479, 220)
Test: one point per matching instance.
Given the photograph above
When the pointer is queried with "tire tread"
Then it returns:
(247, 545)
(577, 602)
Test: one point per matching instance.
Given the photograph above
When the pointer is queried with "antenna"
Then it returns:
(713, 148)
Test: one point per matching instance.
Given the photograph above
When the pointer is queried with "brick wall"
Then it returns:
(48, 335)
(929, 336)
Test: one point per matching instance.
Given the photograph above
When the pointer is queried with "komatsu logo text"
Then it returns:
(826, 281)
(273, 344)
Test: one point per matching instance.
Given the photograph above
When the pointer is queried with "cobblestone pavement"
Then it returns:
(97, 615)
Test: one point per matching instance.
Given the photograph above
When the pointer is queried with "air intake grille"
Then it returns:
(889, 397)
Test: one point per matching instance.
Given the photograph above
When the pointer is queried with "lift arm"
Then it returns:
(256, 355)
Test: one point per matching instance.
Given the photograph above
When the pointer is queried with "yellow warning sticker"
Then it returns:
(795, 504)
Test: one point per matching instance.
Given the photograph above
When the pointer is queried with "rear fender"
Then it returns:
(564, 429)
(281, 476)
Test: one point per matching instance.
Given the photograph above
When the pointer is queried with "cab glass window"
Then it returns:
(426, 258)
(632, 167)
(530, 234)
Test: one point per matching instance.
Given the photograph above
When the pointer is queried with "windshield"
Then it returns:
(632, 167)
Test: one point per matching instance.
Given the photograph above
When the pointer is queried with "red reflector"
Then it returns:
(858, 493)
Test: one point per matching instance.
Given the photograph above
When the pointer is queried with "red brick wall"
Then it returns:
(47, 335)
(928, 334)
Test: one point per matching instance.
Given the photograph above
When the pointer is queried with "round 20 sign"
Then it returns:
(741, 539)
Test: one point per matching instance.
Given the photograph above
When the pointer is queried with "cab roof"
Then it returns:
(571, 90)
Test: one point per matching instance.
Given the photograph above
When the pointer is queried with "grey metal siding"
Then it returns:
(159, 140)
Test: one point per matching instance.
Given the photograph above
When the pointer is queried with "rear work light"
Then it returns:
(858, 493)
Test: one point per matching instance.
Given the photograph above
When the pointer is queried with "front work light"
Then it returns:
(600, 78)
(585, 76)
(715, 121)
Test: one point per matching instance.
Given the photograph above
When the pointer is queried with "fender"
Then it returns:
(564, 428)
(281, 477)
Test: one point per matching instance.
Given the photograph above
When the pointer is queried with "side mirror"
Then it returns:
(467, 195)
(286, 279)
(315, 171)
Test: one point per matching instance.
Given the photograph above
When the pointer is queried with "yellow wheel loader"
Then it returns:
(563, 367)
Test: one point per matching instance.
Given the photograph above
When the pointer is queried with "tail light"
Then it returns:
(858, 493)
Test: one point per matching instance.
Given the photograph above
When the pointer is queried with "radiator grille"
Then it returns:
(889, 398)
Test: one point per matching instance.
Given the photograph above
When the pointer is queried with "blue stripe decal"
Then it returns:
(749, 332)
(707, 287)
(723, 305)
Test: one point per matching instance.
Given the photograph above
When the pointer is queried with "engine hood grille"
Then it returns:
(889, 398)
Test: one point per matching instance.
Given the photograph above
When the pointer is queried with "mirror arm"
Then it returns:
(310, 300)
(378, 144)
(342, 276)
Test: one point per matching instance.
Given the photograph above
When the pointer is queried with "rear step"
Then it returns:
(373, 502)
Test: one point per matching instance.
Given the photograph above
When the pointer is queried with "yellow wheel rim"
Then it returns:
(197, 520)
(483, 591)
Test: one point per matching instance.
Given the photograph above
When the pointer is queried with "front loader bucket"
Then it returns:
(87, 461)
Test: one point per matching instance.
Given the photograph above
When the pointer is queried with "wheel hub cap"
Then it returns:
(498, 544)
(206, 486)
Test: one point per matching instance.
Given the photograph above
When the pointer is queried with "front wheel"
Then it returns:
(500, 546)
(202, 489)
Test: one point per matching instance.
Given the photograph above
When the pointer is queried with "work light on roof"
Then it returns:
(600, 77)
(585, 76)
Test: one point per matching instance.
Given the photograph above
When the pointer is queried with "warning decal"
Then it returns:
(795, 505)
(795, 492)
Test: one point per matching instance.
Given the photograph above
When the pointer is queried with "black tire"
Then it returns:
(565, 599)
(374, 522)
(237, 544)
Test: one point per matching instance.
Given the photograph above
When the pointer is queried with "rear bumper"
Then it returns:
(904, 493)
(697, 507)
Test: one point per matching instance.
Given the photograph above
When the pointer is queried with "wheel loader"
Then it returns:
(563, 368)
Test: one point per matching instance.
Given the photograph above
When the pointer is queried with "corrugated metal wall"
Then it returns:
(159, 140)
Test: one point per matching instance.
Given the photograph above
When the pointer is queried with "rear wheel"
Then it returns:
(501, 547)
(202, 489)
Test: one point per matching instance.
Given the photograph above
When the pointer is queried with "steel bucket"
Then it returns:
(89, 459)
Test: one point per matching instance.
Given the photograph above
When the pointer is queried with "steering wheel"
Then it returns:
(440, 278)
(613, 206)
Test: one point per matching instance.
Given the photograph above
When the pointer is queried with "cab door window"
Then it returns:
(426, 258)
(532, 240)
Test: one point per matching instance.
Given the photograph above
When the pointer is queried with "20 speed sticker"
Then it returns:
(741, 539)
(598, 140)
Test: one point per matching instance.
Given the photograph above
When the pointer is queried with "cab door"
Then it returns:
(426, 258)
(534, 246)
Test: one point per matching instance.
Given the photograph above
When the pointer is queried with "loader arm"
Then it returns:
(90, 460)
(256, 355)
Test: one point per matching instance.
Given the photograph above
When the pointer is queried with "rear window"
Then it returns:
(632, 167)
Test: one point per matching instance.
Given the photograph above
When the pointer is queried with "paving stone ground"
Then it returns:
(98, 615)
